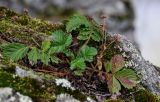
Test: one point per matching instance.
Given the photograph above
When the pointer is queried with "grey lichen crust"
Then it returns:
(148, 73)
(9, 95)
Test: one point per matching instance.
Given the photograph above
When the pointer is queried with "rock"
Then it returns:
(9, 95)
(147, 72)
(64, 83)
(66, 98)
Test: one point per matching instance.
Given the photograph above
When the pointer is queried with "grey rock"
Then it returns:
(9, 95)
(66, 98)
(147, 72)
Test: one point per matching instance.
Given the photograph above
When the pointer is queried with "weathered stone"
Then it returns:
(9, 95)
(148, 73)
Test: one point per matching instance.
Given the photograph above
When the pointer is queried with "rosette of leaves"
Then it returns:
(87, 29)
(117, 75)
(60, 41)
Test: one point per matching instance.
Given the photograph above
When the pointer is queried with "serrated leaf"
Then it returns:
(78, 64)
(68, 40)
(58, 37)
(68, 53)
(61, 41)
(45, 45)
(96, 36)
(58, 49)
(33, 55)
(117, 63)
(76, 21)
(52, 50)
(88, 53)
(127, 77)
(108, 66)
(14, 51)
(113, 84)
(45, 58)
(55, 59)
(83, 35)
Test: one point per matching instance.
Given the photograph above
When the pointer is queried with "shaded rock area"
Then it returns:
(9, 95)
(45, 85)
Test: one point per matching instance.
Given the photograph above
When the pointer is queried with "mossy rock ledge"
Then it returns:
(45, 87)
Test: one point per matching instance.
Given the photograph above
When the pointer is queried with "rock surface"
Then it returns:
(9, 95)
(148, 73)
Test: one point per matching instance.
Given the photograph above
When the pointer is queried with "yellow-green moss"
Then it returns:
(112, 100)
(27, 86)
(145, 96)
(24, 28)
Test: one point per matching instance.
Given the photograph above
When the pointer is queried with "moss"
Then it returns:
(32, 87)
(112, 100)
(24, 28)
(145, 96)
(27, 86)
(76, 94)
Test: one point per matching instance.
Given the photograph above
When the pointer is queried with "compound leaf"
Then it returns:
(88, 53)
(117, 63)
(14, 51)
(127, 77)
(33, 55)
(78, 64)
(113, 84)
(45, 45)
(45, 58)
(76, 21)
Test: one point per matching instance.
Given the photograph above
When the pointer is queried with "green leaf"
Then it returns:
(96, 36)
(58, 49)
(88, 53)
(45, 58)
(55, 59)
(113, 84)
(52, 50)
(76, 21)
(127, 77)
(78, 64)
(61, 41)
(68, 53)
(45, 45)
(14, 51)
(58, 37)
(68, 40)
(117, 63)
(83, 35)
(79, 72)
(33, 55)
(108, 66)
